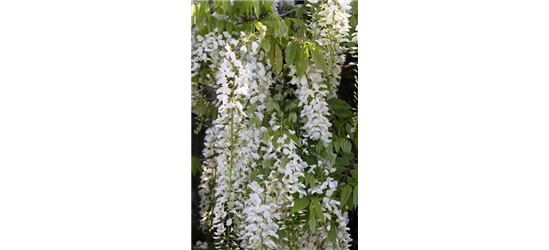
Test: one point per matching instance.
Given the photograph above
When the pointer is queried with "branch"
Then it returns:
(346, 66)
(290, 11)
(347, 174)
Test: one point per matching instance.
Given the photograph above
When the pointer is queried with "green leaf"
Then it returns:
(266, 171)
(278, 59)
(319, 60)
(271, 56)
(287, 92)
(265, 44)
(329, 149)
(238, 29)
(300, 204)
(303, 62)
(254, 122)
(318, 147)
(309, 160)
(312, 181)
(350, 203)
(312, 220)
(293, 137)
(352, 181)
(287, 123)
(298, 69)
(267, 135)
(247, 27)
(350, 156)
(272, 105)
(299, 12)
(194, 10)
(220, 25)
(340, 132)
(342, 161)
(332, 237)
(235, 5)
(289, 25)
(340, 169)
(337, 146)
(257, 8)
(345, 194)
(318, 210)
(307, 179)
(267, 163)
(284, 161)
(230, 27)
(349, 129)
(306, 39)
(293, 118)
(290, 54)
(244, 9)
(336, 103)
(280, 29)
(345, 146)
(268, 5)
(196, 165)
(319, 47)
(328, 157)
(282, 234)
(253, 175)
(293, 105)
(297, 20)
(336, 176)
(275, 137)
(343, 113)
(354, 173)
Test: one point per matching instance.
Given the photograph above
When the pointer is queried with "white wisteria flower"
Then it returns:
(265, 153)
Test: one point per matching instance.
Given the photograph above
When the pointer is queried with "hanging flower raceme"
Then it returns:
(330, 27)
(312, 93)
(195, 66)
(267, 180)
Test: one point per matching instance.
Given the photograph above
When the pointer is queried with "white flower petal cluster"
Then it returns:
(207, 182)
(202, 245)
(226, 167)
(275, 5)
(206, 54)
(354, 39)
(261, 213)
(354, 50)
(280, 3)
(312, 93)
(241, 79)
(331, 28)
(195, 63)
(250, 212)
(318, 239)
(289, 2)
(270, 200)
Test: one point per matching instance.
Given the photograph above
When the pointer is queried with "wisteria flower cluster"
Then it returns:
(278, 167)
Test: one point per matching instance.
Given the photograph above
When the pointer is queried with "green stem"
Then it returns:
(231, 163)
